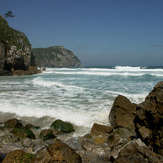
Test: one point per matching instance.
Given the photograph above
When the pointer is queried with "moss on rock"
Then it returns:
(23, 132)
(61, 126)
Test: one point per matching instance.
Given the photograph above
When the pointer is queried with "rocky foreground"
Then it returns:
(134, 136)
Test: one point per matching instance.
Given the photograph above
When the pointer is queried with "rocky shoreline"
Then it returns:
(135, 135)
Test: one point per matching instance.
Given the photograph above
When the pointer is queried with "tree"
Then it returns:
(9, 14)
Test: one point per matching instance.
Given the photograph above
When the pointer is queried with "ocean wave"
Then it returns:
(135, 98)
(129, 68)
(78, 117)
(39, 81)
(100, 73)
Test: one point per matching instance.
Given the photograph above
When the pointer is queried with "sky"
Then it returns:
(98, 32)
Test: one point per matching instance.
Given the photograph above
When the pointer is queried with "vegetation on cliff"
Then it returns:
(10, 36)
(56, 56)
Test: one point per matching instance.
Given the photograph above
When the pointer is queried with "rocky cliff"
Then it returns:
(56, 56)
(15, 50)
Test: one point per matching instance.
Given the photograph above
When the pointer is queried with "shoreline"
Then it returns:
(44, 123)
(127, 138)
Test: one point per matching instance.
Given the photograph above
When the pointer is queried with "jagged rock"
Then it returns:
(31, 71)
(42, 156)
(23, 132)
(18, 156)
(102, 130)
(149, 119)
(61, 126)
(122, 113)
(47, 134)
(61, 152)
(117, 140)
(117, 146)
(27, 143)
(56, 56)
(137, 152)
(13, 123)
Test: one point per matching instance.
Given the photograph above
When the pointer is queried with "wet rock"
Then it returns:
(74, 143)
(18, 156)
(61, 152)
(123, 113)
(9, 138)
(61, 126)
(122, 133)
(117, 147)
(13, 123)
(23, 133)
(47, 134)
(87, 145)
(43, 69)
(117, 140)
(136, 151)
(102, 130)
(30, 71)
(42, 156)
(149, 119)
(27, 143)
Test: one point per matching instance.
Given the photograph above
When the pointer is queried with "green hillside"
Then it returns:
(55, 56)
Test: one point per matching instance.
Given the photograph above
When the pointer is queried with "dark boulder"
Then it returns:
(13, 123)
(61, 152)
(61, 126)
(18, 156)
(149, 119)
(42, 156)
(47, 134)
(30, 71)
(57, 152)
(122, 113)
(98, 129)
(23, 132)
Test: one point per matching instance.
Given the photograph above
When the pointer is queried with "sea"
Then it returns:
(82, 96)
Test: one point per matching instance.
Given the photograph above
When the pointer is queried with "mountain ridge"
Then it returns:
(55, 56)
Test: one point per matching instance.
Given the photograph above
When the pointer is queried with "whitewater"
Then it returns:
(82, 96)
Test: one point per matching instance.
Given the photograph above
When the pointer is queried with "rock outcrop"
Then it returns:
(56, 56)
(123, 113)
(149, 119)
(15, 50)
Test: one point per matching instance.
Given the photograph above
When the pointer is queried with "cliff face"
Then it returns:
(56, 56)
(15, 49)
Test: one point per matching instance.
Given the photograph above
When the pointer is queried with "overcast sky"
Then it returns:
(99, 32)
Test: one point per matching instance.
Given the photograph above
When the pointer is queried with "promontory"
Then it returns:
(56, 56)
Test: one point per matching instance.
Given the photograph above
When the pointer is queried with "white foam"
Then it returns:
(80, 117)
(127, 68)
(117, 71)
(39, 81)
(159, 74)
(135, 98)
